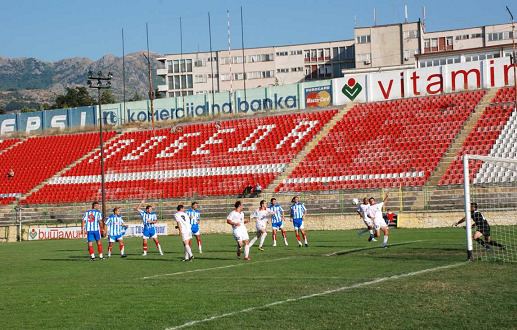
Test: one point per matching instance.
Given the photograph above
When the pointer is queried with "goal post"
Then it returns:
(490, 184)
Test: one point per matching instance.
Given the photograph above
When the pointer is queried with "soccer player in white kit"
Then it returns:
(362, 210)
(116, 230)
(262, 214)
(240, 233)
(375, 214)
(184, 226)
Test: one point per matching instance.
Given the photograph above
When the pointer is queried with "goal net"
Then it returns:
(490, 195)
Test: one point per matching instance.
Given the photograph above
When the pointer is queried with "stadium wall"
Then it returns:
(364, 87)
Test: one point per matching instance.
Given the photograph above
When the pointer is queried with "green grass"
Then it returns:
(51, 284)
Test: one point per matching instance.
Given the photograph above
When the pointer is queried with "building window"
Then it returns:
(476, 35)
(283, 70)
(411, 34)
(326, 53)
(500, 36)
(260, 58)
(314, 55)
(282, 53)
(176, 66)
(199, 78)
(306, 55)
(366, 39)
(296, 52)
(364, 58)
(199, 63)
(463, 37)
(297, 69)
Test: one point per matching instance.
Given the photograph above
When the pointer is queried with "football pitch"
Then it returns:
(339, 281)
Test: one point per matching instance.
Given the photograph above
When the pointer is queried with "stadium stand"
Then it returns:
(39, 158)
(215, 158)
(384, 144)
(4, 144)
(493, 135)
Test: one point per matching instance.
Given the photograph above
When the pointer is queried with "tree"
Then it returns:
(107, 97)
(135, 97)
(74, 97)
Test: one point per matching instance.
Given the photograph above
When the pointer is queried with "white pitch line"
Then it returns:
(323, 293)
(243, 263)
(370, 248)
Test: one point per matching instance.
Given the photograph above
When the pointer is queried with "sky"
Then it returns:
(55, 29)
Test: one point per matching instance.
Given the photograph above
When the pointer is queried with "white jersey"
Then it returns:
(375, 212)
(183, 221)
(239, 232)
(262, 216)
(363, 210)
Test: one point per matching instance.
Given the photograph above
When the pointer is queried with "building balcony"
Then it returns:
(161, 72)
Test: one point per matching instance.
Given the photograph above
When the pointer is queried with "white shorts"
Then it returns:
(261, 225)
(378, 224)
(241, 235)
(186, 236)
(368, 222)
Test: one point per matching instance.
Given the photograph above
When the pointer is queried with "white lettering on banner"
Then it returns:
(266, 129)
(298, 134)
(388, 85)
(113, 149)
(33, 124)
(144, 148)
(7, 126)
(58, 121)
(178, 145)
(212, 140)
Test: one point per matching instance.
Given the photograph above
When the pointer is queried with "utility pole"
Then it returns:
(513, 61)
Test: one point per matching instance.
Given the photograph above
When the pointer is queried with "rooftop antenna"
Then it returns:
(423, 17)
(374, 17)
(405, 13)
(355, 20)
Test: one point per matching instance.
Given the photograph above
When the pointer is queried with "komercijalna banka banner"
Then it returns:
(51, 233)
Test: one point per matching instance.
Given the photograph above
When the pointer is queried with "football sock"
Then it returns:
(304, 238)
(121, 246)
(274, 235)
(90, 251)
(494, 243)
(284, 235)
(99, 248)
(480, 241)
(188, 251)
(371, 233)
(262, 238)
(198, 243)
(385, 239)
(297, 236)
(253, 240)
(246, 250)
(145, 246)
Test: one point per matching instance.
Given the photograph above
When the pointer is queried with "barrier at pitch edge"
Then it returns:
(54, 233)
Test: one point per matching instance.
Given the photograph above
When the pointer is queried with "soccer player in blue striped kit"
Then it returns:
(116, 230)
(149, 219)
(277, 220)
(194, 216)
(298, 212)
(91, 223)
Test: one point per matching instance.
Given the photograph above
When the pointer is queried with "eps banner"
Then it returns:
(49, 233)
(33, 122)
(396, 84)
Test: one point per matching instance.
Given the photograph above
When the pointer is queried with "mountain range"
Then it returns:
(30, 82)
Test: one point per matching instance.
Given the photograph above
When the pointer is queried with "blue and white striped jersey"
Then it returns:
(278, 210)
(92, 219)
(298, 210)
(146, 217)
(194, 216)
(114, 224)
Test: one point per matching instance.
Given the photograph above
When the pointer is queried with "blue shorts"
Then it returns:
(149, 232)
(277, 225)
(93, 236)
(298, 224)
(113, 239)
(195, 229)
